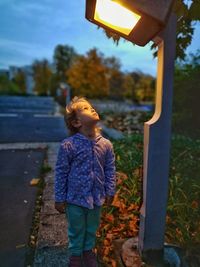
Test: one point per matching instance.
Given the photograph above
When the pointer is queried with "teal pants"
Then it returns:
(82, 226)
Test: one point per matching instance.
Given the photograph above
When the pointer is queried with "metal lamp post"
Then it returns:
(148, 20)
(157, 133)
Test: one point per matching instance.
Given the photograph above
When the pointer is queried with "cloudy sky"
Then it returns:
(30, 29)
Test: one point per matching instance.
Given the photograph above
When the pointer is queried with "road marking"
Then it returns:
(47, 115)
(8, 115)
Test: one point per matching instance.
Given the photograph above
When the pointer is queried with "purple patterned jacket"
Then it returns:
(85, 171)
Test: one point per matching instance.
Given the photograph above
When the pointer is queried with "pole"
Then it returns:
(157, 135)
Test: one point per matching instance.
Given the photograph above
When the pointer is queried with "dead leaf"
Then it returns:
(34, 181)
(113, 262)
(109, 218)
(20, 246)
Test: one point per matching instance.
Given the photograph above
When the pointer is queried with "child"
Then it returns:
(85, 179)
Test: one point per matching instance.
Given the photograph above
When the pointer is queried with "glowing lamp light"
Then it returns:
(135, 20)
(115, 16)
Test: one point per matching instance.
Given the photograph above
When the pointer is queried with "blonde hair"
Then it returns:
(70, 114)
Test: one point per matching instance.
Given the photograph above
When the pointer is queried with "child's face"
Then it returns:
(86, 114)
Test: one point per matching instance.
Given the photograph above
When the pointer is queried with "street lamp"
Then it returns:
(137, 21)
(148, 20)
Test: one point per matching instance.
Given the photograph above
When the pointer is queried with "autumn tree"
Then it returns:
(115, 77)
(129, 87)
(63, 57)
(87, 75)
(42, 75)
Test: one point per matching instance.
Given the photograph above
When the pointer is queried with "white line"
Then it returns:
(47, 115)
(8, 115)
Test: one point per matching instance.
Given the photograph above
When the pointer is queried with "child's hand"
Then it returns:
(60, 206)
(109, 200)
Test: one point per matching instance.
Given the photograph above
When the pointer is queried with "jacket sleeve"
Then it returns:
(110, 172)
(62, 170)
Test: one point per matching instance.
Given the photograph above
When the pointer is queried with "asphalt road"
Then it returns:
(22, 119)
(17, 167)
(30, 119)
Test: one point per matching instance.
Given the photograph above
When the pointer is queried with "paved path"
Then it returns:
(17, 201)
(52, 236)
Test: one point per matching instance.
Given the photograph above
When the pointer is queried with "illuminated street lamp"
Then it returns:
(141, 21)
(137, 21)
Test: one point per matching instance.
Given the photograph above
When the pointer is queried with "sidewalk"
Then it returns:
(52, 236)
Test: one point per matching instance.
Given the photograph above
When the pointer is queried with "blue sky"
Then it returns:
(30, 29)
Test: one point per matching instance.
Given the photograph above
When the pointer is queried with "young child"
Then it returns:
(84, 180)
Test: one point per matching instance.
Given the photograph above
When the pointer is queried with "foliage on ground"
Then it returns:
(183, 212)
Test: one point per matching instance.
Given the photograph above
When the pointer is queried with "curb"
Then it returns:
(51, 246)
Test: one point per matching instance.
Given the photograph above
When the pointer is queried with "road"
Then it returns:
(17, 203)
(24, 120)
(30, 119)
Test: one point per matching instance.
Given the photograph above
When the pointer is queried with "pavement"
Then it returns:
(17, 201)
(52, 236)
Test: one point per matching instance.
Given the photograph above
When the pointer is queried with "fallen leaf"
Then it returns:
(20, 246)
(194, 204)
(109, 218)
(106, 251)
(133, 207)
(34, 181)
(113, 262)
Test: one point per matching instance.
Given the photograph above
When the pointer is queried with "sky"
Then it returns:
(31, 29)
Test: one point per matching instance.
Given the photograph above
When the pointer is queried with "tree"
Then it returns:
(188, 14)
(129, 87)
(8, 87)
(20, 81)
(115, 77)
(186, 108)
(42, 75)
(87, 75)
(144, 86)
(64, 56)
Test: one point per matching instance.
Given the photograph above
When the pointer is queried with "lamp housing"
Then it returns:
(138, 21)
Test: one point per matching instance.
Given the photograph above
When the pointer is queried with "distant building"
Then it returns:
(29, 79)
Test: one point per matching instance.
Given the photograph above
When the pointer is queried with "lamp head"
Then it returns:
(138, 21)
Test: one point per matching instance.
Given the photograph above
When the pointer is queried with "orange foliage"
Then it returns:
(121, 223)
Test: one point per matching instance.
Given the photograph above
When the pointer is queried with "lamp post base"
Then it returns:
(170, 256)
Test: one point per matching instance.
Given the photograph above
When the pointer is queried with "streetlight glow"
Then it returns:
(115, 16)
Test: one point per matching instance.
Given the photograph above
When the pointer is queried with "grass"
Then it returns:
(183, 209)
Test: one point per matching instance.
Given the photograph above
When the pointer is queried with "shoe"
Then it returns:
(74, 261)
(89, 259)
